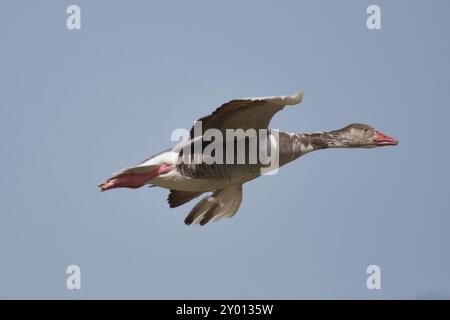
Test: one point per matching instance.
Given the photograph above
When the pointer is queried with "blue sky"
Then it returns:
(76, 105)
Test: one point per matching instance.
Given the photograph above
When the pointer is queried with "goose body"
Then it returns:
(175, 168)
(196, 178)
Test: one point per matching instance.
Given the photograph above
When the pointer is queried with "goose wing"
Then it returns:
(246, 113)
(221, 204)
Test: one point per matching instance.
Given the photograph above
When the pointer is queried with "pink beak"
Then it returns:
(383, 140)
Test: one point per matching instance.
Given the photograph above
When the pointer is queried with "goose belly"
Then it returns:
(204, 178)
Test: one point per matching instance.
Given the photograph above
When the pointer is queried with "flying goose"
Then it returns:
(189, 179)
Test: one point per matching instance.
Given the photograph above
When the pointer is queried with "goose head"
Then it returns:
(357, 135)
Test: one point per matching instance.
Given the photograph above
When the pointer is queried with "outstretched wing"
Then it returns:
(222, 203)
(247, 113)
(177, 198)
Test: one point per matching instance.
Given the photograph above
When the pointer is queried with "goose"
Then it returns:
(188, 180)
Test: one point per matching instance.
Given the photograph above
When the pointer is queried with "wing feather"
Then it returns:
(221, 204)
(246, 113)
(177, 198)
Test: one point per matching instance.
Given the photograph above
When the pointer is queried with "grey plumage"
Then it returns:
(177, 197)
(221, 203)
(253, 113)
(188, 174)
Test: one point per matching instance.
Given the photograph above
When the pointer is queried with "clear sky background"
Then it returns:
(77, 105)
